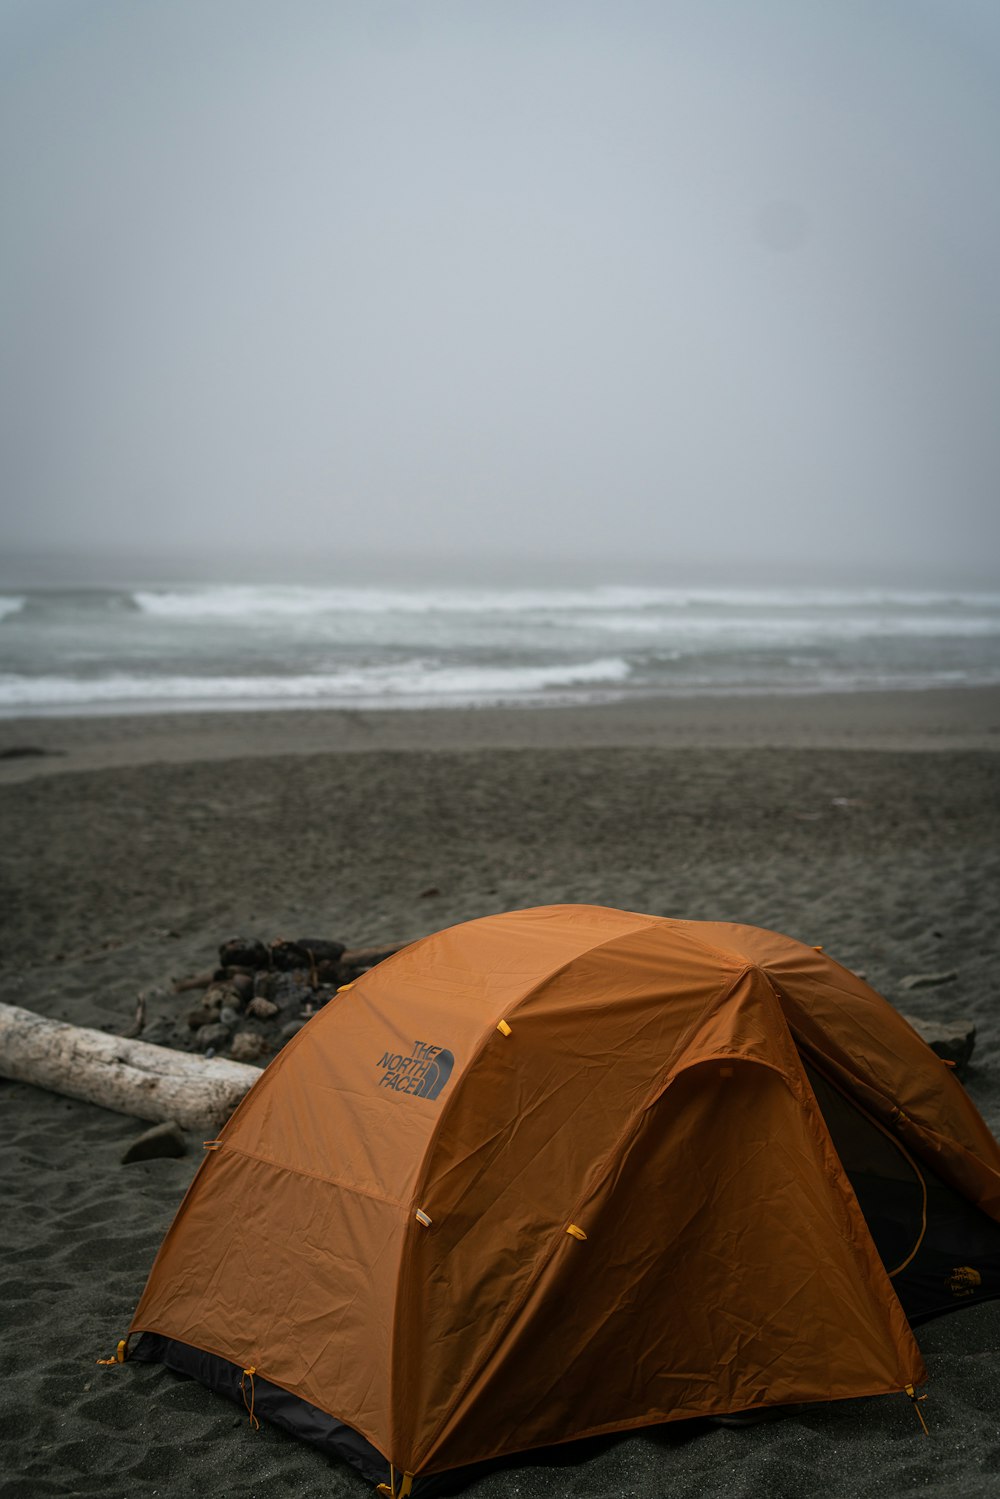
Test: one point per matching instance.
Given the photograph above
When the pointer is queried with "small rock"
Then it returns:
(288, 957)
(219, 995)
(952, 1040)
(228, 1016)
(291, 1029)
(242, 984)
(160, 1142)
(241, 952)
(927, 980)
(198, 1017)
(262, 1009)
(214, 1036)
(288, 994)
(430, 891)
(248, 1046)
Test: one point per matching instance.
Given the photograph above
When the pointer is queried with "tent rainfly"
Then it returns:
(571, 1171)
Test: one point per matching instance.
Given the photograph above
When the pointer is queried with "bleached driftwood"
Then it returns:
(116, 1072)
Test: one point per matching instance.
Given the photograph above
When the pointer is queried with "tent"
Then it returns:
(570, 1171)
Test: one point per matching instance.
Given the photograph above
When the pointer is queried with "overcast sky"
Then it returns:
(662, 285)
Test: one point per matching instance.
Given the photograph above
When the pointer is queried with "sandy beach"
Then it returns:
(134, 845)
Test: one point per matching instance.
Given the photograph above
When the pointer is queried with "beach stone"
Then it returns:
(288, 957)
(199, 1016)
(927, 980)
(262, 1009)
(290, 1030)
(161, 1142)
(242, 984)
(243, 952)
(952, 1040)
(213, 999)
(329, 972)
(248, 1046)
(288, 994)
(228, 1015)
(214, 1036)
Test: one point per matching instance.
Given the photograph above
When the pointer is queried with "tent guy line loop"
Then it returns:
(248, 1373)
(916, 1399)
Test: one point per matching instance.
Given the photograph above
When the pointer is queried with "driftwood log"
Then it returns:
(116, 1072)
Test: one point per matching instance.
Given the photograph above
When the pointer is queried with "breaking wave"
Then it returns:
(414, 683)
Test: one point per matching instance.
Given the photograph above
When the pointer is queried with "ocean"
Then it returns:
(146, 649)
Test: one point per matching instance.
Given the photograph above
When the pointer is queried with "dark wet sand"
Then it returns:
(867, 824)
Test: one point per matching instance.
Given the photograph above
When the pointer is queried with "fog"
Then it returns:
(628, 288)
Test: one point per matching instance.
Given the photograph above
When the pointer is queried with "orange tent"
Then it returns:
(574, 1170)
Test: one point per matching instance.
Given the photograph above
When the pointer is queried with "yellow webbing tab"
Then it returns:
(576, 1231)
(423, 1218)
(916, 1406)
(503, 1027)
(403, 1492)
(121, 1354)
(210, 1144)
(341, 988)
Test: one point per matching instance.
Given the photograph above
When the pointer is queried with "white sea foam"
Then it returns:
(416, 681)
(233, 602)
(10, 605)
(805, 627)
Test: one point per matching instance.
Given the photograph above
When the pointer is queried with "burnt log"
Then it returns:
(360, 958)
(243, 952)
(320, 950)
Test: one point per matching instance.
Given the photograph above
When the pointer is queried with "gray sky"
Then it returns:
(662, 285)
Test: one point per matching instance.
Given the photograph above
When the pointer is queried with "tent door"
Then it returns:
(940, 1251)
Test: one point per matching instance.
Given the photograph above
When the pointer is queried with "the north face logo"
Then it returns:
(423, 1074)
